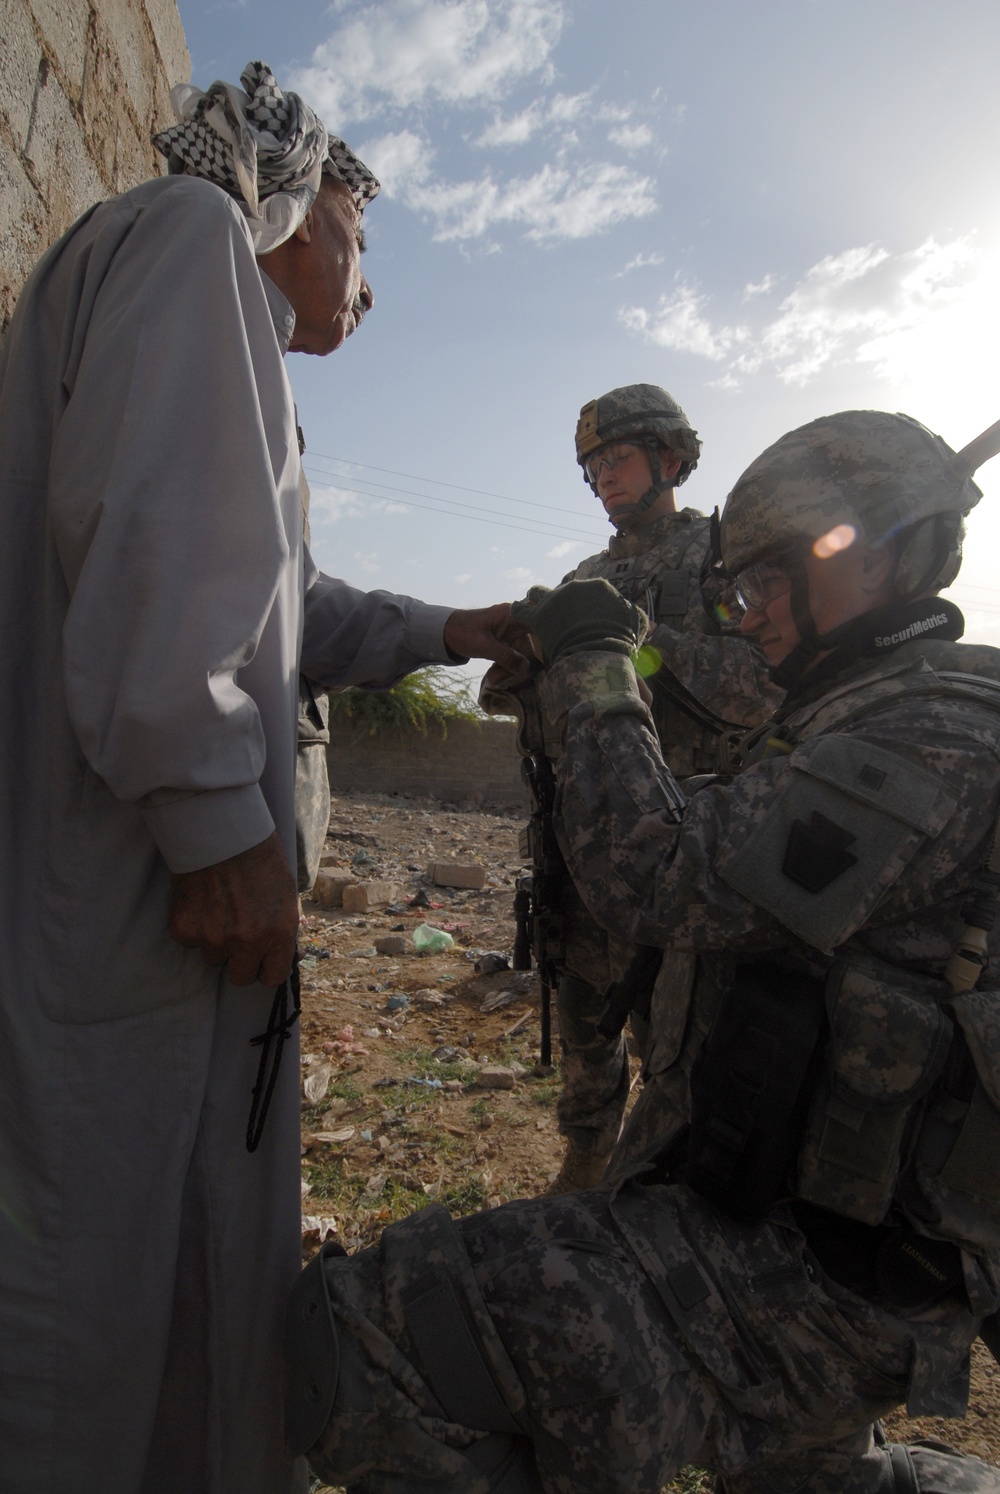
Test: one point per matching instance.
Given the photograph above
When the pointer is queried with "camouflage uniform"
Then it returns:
(630, 1330)
(626, 1330)
(312, 782)
(661, 568)
(312, 779)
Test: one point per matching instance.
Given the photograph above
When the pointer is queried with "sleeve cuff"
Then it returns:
(201, 829)
(604, 682)
(425, 634)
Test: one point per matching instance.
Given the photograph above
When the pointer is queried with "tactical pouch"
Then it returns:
(956, 1164)
(889, 1038)
(749, 1087)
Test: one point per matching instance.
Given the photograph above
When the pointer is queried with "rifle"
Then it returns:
(540, 926)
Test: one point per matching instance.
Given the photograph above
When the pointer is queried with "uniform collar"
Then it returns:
(627, 542)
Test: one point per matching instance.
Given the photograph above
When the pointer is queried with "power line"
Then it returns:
(438, 482)
(555, 532)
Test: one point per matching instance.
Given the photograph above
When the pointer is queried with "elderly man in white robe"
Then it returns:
(157, 604)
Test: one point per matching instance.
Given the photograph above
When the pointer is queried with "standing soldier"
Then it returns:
(636, 447)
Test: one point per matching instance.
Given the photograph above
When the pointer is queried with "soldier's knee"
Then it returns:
(580, 1007)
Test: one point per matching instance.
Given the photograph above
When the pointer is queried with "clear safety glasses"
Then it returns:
(760, 584)
(609, 458)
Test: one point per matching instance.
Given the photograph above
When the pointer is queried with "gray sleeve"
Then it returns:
(371, 638)
(164, 504)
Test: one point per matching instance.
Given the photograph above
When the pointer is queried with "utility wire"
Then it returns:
(554, 532)
(415, 477)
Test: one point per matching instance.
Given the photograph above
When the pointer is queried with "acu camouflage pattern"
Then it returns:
(632, 412)
(664, 878)
(696, 635)
(312, 783)
(628, 1332)
(876, 472)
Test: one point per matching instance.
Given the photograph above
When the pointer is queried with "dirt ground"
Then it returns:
(396, 1049)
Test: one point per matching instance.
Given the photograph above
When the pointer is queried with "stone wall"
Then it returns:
(475, 763)
(85, 84)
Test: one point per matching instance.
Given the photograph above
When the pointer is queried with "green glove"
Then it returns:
(581, 615)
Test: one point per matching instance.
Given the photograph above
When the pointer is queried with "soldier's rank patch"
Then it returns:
(817, 853)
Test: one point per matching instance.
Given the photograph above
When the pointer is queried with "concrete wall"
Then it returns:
(476, 762)
(85, 83)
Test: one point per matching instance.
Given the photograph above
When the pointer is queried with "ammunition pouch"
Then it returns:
(749, 1087)
(859, 1090)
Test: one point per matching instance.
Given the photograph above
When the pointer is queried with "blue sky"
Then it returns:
(775, 210)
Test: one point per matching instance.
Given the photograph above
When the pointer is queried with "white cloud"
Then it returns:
(639, 263)
(909, 315)
(554, 203)
(761, 288)
(404, 53)
(327, 504)
(677, 323)
(517, 129)
(566, 548)
(518, 573)
(463, 578)
(631, 137)
(366, 561)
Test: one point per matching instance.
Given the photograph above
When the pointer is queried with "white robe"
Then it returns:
(153, 584)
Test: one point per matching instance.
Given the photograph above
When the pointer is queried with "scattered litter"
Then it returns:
(446, 1055)
(397, 1004)
(329, 1137)
(330, 1116)
(362, 858)
(419, 900)
(366, 1135)
(342, 1044)
(360, 954)
(306, 1187)
(491, 962)
(499, 999)
(374, 1185)
(316, 1082)
(371, 1032)
(510, 1031)
(317, 1227)
(432, 940)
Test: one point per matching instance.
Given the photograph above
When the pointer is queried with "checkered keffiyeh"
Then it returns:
(265, 147)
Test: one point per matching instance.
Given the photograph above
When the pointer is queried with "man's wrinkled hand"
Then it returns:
(581, 615)
(243, 913)
(487, 633)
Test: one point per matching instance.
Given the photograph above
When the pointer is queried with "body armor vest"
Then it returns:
(850, 1083)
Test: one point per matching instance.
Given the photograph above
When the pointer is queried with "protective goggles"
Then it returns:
(760, 584)
(609, 458)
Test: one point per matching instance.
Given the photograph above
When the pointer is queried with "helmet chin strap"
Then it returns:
(792, 668)
(626, 514)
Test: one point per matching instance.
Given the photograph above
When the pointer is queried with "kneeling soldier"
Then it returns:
(802, 1230)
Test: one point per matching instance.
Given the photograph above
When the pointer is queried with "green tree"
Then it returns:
(427, 698)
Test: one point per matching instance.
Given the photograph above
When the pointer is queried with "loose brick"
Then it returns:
(359, 897)
(495, 1076)
(455, 874)
(393, 944)
(329, 888)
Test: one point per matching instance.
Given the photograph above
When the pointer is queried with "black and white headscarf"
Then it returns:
(265, 147)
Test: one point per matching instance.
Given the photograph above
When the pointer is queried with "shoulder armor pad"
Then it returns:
(849, 817)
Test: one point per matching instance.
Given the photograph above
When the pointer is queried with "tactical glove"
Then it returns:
(581, 615)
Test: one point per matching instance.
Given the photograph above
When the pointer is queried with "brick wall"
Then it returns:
(85, 84)
(476, 762)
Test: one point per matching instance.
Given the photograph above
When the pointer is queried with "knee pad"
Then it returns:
(927, 1467)
(312, 1358)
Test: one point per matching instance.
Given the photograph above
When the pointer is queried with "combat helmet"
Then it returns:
(644, 414)
(861, 474)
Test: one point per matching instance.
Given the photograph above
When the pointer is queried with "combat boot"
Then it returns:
(579, 1170)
